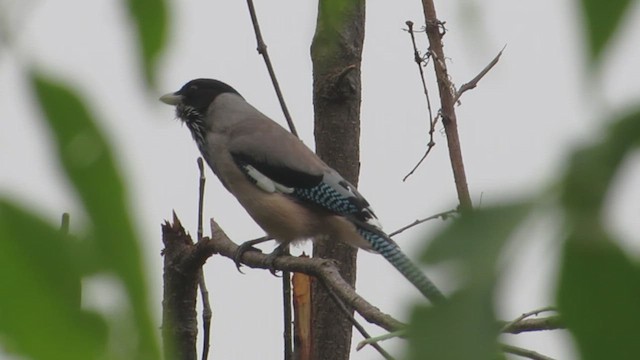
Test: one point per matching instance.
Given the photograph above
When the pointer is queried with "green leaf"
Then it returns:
(476, 238)
(599, 286)
(592, 169)
(598, 296)
(150, 19)
(602, 19)
(462, 328)
(40, 285)
(89, 165)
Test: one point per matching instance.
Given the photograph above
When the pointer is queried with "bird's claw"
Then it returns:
(244, 247)
(269, 261)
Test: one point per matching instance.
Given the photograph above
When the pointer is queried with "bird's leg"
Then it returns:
(248, 246)
(278, 251)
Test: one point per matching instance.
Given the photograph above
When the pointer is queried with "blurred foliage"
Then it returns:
(602, 19)
(40, 307)
(598, 283)
(150, 20)
(40, 315)
(86, 158)
(471, 245)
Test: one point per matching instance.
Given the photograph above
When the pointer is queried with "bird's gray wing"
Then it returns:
(275, 160)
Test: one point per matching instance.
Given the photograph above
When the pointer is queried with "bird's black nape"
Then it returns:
(200, 93)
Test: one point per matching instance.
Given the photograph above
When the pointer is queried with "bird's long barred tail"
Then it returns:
(390, 250)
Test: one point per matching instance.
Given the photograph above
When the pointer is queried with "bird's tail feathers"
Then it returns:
(386, 247)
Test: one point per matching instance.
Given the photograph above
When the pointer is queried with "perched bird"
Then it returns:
(282, 184)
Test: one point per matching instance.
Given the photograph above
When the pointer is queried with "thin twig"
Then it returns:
(509, 325)
(377, 339)
(202, 181)
(540, 324)
(432, 121)
(530, 354)
(443, 215)
(286, 276)
(207, 314)
(474, 82)
(262, 50)
(347, 313)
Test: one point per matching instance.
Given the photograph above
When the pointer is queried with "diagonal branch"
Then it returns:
(325, 270)
(193, 256)
(262, 50)
(529, 354)
(474, 82)
(547, 323)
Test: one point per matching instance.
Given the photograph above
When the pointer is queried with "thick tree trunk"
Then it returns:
(336, 54)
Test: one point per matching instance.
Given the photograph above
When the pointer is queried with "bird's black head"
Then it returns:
(194, 97)
(192, 102)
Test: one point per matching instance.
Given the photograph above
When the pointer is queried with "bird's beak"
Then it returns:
(171, 99)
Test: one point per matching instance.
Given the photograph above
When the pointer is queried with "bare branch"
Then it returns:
(548, 323)
(507, 326)
(328, 273)
(433, 30)
(207, 314)
(432, 121)
(262, 50)
(474, 82)
(348, 314)
(200, 196)
(443, 215)
(286, 276)
(323, 269)
(530, 354)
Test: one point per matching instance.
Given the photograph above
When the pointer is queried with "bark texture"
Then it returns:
(336, 53)
(179, 322)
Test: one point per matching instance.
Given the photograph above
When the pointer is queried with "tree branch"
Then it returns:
(524, 352)
(474, 82)
(207, 314)
(447, 102)
(325, 270)
(179, 323)
(286, 276)
(432, 121)
(443, 215)
(262, 50)
(547, 323)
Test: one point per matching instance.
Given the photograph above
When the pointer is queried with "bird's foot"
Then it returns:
(247, 246)
(281, 250)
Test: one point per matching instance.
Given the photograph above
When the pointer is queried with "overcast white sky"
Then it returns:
(515, 128)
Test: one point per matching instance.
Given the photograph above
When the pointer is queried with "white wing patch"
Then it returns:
(264, 182)
(373, 220)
